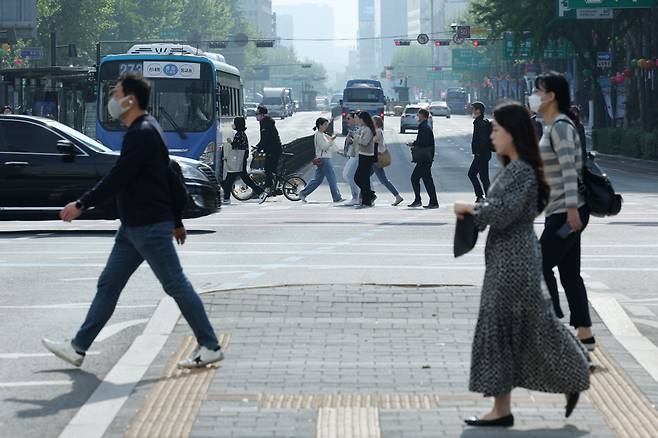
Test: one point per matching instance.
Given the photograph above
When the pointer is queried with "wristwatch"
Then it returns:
(79, 205)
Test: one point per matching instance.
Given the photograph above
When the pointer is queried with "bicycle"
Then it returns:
(288, 185)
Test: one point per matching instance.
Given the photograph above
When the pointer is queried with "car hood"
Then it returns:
(180, 160)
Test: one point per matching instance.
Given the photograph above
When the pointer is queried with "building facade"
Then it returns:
(18, 20)
(259, 12)
(366, 43)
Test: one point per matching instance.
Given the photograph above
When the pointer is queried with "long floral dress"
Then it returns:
(518, 340)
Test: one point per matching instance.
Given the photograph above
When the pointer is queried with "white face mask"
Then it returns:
(535, 102)
(115, 109)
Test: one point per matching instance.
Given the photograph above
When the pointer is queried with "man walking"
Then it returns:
(481, 149)
(270, 144)
(140, 182)
(423, 157)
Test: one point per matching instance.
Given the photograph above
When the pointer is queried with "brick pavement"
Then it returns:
(347, 361)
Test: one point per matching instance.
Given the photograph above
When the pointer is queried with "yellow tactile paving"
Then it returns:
(348, 423)
(172, 405)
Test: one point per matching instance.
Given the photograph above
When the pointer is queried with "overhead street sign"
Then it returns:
(614, 4)
(470, 59)
(604, 59)
(565, 12)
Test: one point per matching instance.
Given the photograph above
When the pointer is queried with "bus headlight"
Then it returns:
(191, 172)
(208, 155)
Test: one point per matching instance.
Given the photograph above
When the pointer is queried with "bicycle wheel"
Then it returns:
(242, 192)
(292, 186)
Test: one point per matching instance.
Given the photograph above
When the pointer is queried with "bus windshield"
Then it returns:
(365, 94)
(182, 105)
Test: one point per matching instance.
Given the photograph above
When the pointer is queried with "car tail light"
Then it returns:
(344, 114)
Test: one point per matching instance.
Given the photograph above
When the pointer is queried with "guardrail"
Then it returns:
(303, 150)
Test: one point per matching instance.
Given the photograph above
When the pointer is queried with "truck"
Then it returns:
(278, 101)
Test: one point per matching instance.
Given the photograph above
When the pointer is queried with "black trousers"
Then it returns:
(271, 166)
(227, 184)
(362, 178)
(565, 254)
(480, 166)
(424, 171)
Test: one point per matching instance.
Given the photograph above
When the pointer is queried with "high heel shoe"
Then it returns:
(572, 401)
(506, 421)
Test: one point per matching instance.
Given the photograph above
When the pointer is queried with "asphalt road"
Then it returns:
(48, 270)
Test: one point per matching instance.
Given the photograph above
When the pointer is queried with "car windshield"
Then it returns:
(272, 101)
(365, 94)
(411, 110)
(87, 141)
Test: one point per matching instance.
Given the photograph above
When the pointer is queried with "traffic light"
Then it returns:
(441, 43)
(402, 42)
(216, 44)
(265, 43)
(435, 68)
(479, 43)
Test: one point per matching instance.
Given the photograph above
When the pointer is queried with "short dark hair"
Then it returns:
(261, 109)
(479, 106)
(135, 84)
(240, 124)
(424, 112)
(5, 108)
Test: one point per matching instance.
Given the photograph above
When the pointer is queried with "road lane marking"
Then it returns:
(34, 355)
(36, 383)
(252, 275)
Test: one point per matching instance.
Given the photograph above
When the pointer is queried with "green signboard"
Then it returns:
(471, 59)
(615, 4)
(522, 48)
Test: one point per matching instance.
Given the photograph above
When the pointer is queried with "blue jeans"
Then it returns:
(326, 170)
(381, 175)
(133, 245)
(348, 175)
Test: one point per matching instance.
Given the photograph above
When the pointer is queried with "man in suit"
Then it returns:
(423, 169)
(481, 149)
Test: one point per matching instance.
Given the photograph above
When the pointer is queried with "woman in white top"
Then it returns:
(379, 171)
(324, 168)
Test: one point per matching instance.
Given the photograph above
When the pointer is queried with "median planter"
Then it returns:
(630, 142)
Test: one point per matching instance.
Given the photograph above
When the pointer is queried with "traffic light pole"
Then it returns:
(433, 49)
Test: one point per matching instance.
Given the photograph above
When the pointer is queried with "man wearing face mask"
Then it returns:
(139, 181)
(481, 148)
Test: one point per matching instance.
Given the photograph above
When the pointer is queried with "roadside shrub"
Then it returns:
(630, 142)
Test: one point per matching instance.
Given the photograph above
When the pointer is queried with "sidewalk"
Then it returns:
(361, 361)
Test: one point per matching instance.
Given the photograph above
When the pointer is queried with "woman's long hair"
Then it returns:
(556, 83)
(515, 119)
(319, 122)
(367, 119)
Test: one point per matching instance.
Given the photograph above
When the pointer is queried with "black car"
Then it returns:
(45, 164)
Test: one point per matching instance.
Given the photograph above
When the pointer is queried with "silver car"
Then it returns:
(408, 119)
(440, 108)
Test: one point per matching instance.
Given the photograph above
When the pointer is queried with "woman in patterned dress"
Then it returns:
(518, 340)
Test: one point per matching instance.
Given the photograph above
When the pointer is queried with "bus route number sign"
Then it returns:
(129, 67)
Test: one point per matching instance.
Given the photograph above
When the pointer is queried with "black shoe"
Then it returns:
(415, 204)
(589, 343)
(479, 199)
(506, 421)
(572, 401)
(431, 206)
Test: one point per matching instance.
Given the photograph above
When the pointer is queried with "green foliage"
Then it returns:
(630, 142)
(413, 61)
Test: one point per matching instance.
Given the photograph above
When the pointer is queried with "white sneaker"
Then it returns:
(303, 198)
(353, 202)
(64, 350)
(200, 357)
(263, 197)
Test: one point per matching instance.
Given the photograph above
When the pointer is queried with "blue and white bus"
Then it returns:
(194, 95)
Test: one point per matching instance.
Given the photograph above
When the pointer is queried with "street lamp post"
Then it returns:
(433, 48)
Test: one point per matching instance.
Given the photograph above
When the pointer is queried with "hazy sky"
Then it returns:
(345, 17)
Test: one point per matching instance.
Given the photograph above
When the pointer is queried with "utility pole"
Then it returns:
(432, 37)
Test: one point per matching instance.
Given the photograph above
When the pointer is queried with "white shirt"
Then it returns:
(323, 145)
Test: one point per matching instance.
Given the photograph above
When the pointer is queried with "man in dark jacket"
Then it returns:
(270, 144)
(481, 149)
(423, 169)
(140, 183)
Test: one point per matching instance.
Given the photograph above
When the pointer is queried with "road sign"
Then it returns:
(470, 59)
(594, 14)
(615, 4)
(32, 53)
(604, 59)
(517, 48)
(457, 39)
(464, 31)
(423, 39)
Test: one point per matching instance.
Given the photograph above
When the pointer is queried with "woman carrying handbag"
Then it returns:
(322, 162)
(384, 160)
(235, 162)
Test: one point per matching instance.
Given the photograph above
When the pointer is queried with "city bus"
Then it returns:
(194, 96)
(458, 100)
(362, 97)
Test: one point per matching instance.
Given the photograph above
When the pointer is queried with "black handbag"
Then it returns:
(466, 235)
(421, 155)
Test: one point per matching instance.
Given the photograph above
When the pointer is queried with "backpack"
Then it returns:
(595, 186)
(489, 129)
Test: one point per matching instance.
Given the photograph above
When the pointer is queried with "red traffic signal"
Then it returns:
(435, 68)
(441, 43)
(402, 42)
(479, 43)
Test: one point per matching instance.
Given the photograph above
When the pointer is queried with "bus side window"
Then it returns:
(225, 101)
